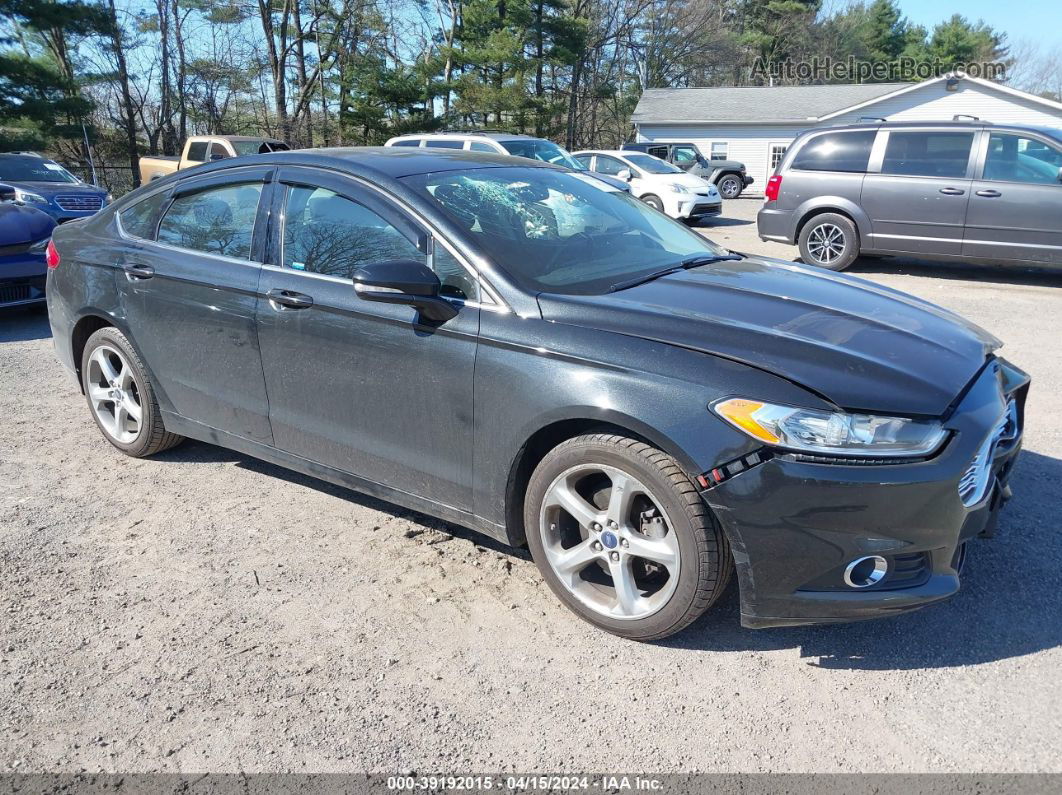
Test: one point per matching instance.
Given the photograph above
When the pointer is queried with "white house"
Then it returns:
(756, 124)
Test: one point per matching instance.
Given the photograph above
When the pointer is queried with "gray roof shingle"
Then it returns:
(754, 103)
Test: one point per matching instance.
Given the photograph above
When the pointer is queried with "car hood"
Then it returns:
(858, 344)
(19, 225)
(689, 180)
(49, 189)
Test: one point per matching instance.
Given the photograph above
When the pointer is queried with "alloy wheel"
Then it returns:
(609, 542)
(826, 243)
(114, 394)
(729, 187)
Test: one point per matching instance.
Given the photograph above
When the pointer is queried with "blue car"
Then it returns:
(46, 186)
(24, 236)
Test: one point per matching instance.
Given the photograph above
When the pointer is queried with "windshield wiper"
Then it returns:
(694, 261)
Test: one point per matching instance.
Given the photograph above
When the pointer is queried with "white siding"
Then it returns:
(750, 144)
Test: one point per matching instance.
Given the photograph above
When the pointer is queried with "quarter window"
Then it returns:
(140, 219)
(216, 221)
(847, 152)
(445, 143)
(479, 146)
(927, 154)
(218, 151)
(719, 150)
(197, 151)
(407, 142)
(1015, 158)
(658, 151)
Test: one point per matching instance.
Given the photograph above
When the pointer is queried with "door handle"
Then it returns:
(289, 299)
(138, 272)
(989, 194)
(952, 191)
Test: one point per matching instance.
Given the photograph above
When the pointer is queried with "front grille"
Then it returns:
(975, 480)
(80, 203)
(10, 293)
(705, 209)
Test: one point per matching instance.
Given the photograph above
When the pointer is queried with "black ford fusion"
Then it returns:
(510, 347)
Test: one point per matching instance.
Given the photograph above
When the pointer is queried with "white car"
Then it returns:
(657, 183)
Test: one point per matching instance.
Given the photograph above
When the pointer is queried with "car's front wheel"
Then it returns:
(653, 201)
(120, 396)
(730, 186)
(623, 538)
(829, 241)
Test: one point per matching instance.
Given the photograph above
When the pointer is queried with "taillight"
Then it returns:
(774, 185)
(51, 256)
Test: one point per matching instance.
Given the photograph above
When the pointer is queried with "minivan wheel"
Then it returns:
(623, 538)
(829, 241)
(653, 201)
(120, 396)
(730, 186)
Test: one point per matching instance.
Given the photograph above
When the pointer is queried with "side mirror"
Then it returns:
(7, 193)
(404, 281)
(625, 174)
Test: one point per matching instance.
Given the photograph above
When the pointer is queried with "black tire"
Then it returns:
(151, 435)
(730, 186)
(829, 241)
(653, 201)
(704, 566)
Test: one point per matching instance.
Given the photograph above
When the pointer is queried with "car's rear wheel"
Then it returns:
(653, 201)
(730, 186)
(120, 396)
(623, 538)
(829, 241)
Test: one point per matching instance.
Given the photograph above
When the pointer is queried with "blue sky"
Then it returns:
(1034, 20)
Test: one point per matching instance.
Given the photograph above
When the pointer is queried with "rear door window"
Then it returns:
(609, 165)
(922, 153)
(841, 151)
(685, 156)
(215, 221)
(407, 142)
(445, 143)
(479, 146)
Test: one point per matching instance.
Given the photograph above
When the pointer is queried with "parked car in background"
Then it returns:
(958, 190)
(727, 175)
(24, 236)
(657, 183)
(500, 344)
(503, 143)
(45, 185)
(205, 149)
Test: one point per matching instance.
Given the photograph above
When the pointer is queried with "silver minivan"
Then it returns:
(962, 190)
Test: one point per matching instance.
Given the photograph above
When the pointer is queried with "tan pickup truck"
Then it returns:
(204, 149)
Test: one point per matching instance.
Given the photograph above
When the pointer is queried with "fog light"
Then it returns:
(864, 572)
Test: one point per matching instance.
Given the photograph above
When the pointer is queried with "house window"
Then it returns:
(777, 153)
(719, 150)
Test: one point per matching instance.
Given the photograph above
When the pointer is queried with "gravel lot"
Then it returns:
(202, 611)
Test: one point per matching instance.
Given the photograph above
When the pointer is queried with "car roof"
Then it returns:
(958, 124)
(612, 152)
(373, 162)
(494, 135)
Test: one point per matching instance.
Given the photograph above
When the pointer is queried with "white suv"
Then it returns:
(502, 143)
(657, 183)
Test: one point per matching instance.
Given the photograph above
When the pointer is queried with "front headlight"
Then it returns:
(679, 188)
(831, 432)
(26, 197)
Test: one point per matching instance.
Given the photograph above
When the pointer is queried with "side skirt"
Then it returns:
(175, 423)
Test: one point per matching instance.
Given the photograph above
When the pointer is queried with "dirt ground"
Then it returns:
(202, 611)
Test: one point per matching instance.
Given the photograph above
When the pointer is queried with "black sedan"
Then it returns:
(513, 348)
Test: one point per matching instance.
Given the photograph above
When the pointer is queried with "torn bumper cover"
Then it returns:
(796, 524)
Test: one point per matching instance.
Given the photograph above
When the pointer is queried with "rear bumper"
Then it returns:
(747, 180)
(776, 225)
(794, 525)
